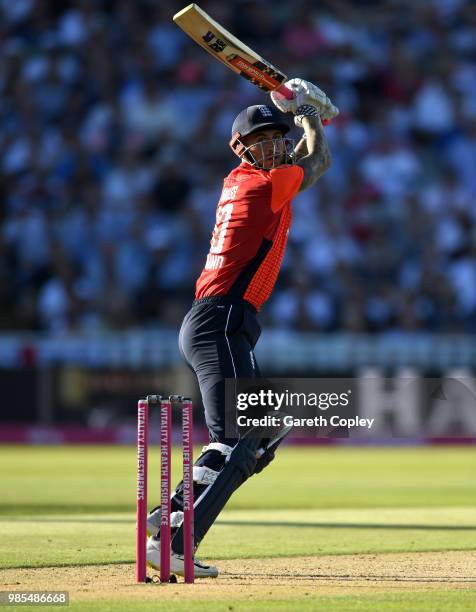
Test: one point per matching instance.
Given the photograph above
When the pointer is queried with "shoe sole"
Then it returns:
(181, 573)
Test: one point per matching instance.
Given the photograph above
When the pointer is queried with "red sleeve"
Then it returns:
(285, 183)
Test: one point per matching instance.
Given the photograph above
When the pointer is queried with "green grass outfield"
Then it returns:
(62, 506)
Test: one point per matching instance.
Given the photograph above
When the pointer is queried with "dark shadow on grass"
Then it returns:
(244, 523)
(38, 509)
(60, 519)
(347, 525)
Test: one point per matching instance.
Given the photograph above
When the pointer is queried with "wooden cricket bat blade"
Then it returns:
(237, 56)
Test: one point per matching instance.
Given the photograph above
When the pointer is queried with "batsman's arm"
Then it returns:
(318, 158)
(300, 150)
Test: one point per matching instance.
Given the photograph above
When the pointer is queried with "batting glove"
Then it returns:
(305, 94)
(307, 110)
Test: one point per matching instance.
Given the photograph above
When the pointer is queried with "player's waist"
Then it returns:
(225, 300)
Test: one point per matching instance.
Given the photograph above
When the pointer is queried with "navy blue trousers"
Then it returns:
(216, 340)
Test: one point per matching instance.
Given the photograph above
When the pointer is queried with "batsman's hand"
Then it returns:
(326, 115)
(305, 94)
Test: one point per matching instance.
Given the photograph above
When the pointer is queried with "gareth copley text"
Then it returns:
(318, 421)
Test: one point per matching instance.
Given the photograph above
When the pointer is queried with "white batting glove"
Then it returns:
(305, 94)
(329, 112)
(300, 92)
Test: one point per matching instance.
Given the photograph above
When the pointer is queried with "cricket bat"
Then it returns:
(232, 52)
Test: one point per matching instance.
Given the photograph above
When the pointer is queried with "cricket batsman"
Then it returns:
(220, 331)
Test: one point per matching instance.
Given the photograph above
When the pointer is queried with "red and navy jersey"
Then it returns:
(251, 231)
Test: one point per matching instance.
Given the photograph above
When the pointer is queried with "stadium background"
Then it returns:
(113, 147)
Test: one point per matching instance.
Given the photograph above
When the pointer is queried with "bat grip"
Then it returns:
(285, 91)
(288, 94)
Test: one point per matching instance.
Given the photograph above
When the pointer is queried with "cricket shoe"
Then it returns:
(177, 562)
(153, 522)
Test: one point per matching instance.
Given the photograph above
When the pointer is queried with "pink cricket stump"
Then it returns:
(165, 473)
(142, 452)
(187, 448)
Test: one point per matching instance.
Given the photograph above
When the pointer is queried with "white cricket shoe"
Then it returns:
(176, 562)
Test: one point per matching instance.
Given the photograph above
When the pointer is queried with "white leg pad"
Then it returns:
(222, 448)
(204, 475)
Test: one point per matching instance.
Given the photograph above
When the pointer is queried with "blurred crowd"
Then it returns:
(113, 147)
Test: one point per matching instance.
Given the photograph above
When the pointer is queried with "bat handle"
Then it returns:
(285, 91)
(288, 94)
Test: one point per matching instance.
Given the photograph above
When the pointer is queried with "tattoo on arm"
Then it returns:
(318, 158)
(301, 149)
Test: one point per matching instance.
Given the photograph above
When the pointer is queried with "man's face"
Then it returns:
(267, 148)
